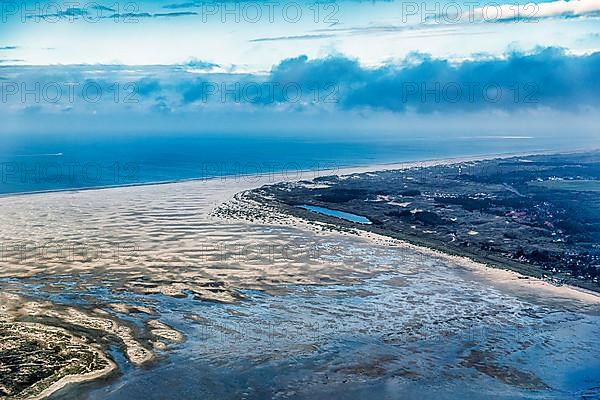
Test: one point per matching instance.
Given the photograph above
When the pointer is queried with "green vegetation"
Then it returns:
(539, 216)
(34, 357)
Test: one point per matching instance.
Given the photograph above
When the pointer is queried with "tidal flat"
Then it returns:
(538, 215)
(193, 291)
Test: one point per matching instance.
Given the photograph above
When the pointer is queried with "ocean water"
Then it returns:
(50, 162)
(419, 328)
(424, 332)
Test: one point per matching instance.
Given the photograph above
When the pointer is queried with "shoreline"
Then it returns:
(36, 332)
(233, 185)
(68, 380)
(346, 169)
(495, 274)
(518, 273)
(499, 275)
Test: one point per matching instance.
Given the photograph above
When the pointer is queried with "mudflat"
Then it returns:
(201, 276)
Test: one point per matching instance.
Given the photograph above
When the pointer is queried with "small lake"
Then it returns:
(338, 214)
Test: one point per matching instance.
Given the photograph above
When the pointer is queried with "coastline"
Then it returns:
(505, 276)
(495, 274)
(41, 332)
(343, 170)
(501, 272)
(241, 183)
(75, 379)
(230, 186)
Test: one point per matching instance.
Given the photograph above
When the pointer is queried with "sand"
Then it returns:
(166, 239)
(203, 240)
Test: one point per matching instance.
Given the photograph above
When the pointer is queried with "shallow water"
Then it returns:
(427, 331)
(404, 324)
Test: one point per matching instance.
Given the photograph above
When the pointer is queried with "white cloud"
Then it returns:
(553, 9)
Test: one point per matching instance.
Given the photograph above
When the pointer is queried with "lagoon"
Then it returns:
(337, 214)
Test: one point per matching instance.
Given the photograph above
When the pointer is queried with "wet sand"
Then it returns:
(109, 261)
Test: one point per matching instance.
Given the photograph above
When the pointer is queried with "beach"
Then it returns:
(155, 269)
(341, 200)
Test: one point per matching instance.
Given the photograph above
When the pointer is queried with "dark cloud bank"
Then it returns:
(546, 78)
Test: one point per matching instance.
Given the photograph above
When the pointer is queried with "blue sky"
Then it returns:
(376, 63)
(252, 36)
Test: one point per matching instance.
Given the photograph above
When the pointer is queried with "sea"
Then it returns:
(426, 329)
(39, 163)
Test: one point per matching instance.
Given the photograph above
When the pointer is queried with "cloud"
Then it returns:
(175, 14)
(193, 91)
(198, 4)
(200, 65)
(297, 37)
(100, 7)
(410, 33)
(147, 86)
(546, 79)
(76, 13)
(589, 40)
(532, 11)
(448, 24)
(68, 13)
(130, 15)
(182, 5)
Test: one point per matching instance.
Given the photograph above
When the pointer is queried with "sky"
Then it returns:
(68, 62)
(250, 36)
